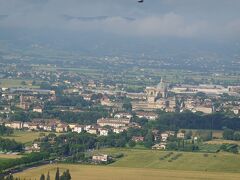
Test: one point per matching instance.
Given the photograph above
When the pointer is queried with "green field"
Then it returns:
(24, 136)
(222, 141)
(7, 83)
(149, 164)
(222, 162)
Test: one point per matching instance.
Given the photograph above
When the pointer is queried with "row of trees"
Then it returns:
(65, 176)
(10, 145)
(230, 134)
(189, 120)
(30, 158)
(5, 130)
(76, 101)
(73, 145)
(87, 117)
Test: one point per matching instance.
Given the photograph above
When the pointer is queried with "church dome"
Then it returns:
(162, 86)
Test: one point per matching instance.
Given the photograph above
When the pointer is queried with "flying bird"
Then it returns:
(140, 1)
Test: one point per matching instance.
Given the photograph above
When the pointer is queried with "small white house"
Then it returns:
(38, 109)
(103, 132)
(160, 146)
(164, 137)
(180, 135)
(100, 158)
(78, 129)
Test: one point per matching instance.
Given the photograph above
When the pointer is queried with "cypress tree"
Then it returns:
(57, 177)
(68, 175)
(42, 177)
(48, 176)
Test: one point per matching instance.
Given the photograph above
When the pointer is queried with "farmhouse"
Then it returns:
(164, 137)
(100, 158)
(160, 146)
(180, 135)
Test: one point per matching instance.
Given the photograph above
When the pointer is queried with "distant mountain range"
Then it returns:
(94, 18)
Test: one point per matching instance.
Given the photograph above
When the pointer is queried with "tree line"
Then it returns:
(65, 175)
(5, 130)
(189, 120)
(30, 158)
(10, 145)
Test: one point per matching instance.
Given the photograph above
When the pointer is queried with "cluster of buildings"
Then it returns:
(160, 138)
(26, 98)
(163, 138)
(102, 128)
(181, 98)
(157, 98)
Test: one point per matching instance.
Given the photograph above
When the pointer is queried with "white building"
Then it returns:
(100, 158)
(116, 123)
(103, 132)
(78, 129)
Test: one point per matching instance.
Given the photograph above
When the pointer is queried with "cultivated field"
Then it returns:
(25, 136)
(9, 156)
(79, 172)
(8, 83)
(148, 164)
(222, 141)
(222, 162)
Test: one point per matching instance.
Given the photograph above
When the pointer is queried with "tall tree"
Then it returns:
(68, 175)
(48, 176)
(42, 177)
(149, 139)
(57, 177)
(228, 134)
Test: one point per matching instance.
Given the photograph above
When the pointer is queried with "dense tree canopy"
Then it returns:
(10, 145)
(5, 130)
(189, 120)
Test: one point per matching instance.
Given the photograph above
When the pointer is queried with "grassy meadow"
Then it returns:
(222, 141)
(8, 83)
(222, 162)
(149, 164)
(24, 136)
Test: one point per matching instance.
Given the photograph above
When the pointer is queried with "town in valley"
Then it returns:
(103, 90)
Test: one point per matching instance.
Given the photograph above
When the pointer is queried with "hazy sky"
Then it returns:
(213, 19)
